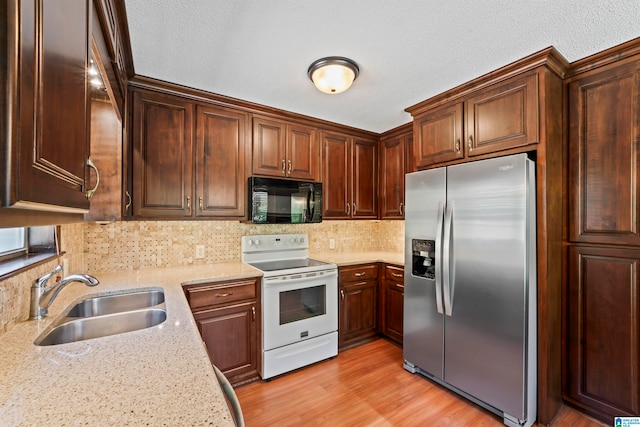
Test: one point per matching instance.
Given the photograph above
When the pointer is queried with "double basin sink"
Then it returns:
(101, 315)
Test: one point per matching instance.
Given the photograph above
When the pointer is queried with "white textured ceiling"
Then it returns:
(407, 50)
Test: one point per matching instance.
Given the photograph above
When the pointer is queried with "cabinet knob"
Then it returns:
(470, 142)
(89, 193)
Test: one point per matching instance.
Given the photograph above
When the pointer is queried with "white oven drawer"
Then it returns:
(294, 356)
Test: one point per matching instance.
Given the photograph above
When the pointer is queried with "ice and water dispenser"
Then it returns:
(424, 258)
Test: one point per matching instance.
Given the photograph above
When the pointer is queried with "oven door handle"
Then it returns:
(303, 277)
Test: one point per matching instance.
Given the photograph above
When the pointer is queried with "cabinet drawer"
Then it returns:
(392, 272)
(359, 272)
(215, 294)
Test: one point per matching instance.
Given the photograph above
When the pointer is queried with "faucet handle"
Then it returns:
(41, 282)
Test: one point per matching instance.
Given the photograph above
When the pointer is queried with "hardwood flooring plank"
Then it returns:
(367, 386)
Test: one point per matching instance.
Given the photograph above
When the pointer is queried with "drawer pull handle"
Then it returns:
(396, 274)
(470, 140)
(360, 274)
(342, 293)
(224, 295)
(253, 313)
(283, 169)
(400, 286)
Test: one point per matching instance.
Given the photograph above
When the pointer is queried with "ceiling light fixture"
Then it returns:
(333, 74)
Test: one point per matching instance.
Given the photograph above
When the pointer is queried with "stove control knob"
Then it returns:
(256, 242)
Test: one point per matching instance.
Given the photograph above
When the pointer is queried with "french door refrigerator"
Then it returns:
(470, 282)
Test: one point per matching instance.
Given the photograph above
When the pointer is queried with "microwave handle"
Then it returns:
(311, 203)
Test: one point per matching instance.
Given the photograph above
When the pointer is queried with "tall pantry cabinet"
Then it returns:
(602, 296)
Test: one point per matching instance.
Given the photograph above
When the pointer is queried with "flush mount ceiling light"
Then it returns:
(333, 74)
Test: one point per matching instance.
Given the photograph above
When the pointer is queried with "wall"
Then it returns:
(15, 292)
(133, 245)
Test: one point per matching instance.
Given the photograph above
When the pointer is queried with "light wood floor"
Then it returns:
(367, 386)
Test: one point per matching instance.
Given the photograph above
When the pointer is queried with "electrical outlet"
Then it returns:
(332, 244)
(199, 251)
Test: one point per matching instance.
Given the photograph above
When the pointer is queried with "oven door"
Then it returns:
(298, 307)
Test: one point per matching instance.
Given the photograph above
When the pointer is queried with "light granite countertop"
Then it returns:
(343, 259)
(154, 376)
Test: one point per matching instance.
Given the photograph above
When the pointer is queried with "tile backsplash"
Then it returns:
(133, 245)
(15, 292)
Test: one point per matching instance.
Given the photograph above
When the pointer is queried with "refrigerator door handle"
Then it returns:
(447, 271)
(438, 258)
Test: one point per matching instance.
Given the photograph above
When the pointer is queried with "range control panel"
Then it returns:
(274, 242)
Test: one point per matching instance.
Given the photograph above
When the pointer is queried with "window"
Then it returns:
(24, 247)
(13, 242)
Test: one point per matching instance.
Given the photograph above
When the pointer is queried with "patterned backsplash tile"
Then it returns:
(132, 245)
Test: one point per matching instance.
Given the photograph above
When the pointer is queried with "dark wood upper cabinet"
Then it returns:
(603, 323)
(220, 161)
(364, 178)
(604, 118)
(162, 155)
(285, 150)
(502, 116)
(393, 166)
(336, 155)
(188, 158)
(438, 136)
(303, 152)
(349, 176)
(46, 110)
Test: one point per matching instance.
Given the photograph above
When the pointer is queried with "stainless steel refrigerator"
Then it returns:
(470, 282)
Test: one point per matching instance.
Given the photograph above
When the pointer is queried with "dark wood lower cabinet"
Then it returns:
(228, 317)
(393, 302)
(230, 334)
(358, 314)
(603, 328)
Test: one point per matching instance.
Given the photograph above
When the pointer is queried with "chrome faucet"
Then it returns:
(42, 296)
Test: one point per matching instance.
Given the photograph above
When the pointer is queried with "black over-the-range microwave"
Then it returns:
(283, 201)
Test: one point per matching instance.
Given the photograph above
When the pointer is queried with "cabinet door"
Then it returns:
(393, 310)
(393, 300)
(303, 153)
(603, 323)
(438, 136)
(502, 116)
(162, 155)
(269, 151)
(604, 117)
(231, 337)
(336, 203)
(51, 102)
(392, 171)
(358, 312)
(221, 143)
(364, 174)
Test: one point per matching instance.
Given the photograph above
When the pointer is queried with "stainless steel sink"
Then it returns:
(109, 304)
(103, 315)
